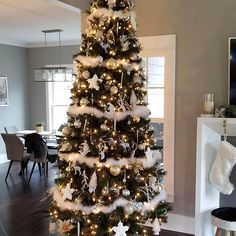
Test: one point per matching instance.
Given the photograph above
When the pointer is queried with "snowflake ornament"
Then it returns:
(93, 83)
(120, 230)
(67, 192)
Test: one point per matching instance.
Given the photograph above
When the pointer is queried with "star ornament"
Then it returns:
(93, 83)
(67, 193)
(120, 230)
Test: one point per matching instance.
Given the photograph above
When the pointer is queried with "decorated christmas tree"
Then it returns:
(110, 171)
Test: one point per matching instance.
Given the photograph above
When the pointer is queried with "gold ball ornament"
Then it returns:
(115, 170)
(114, 90)
(111, 63)
(105, 191)
(129, 209)
(66, 130)
(136, 119)
(84, 102)
(86, 74)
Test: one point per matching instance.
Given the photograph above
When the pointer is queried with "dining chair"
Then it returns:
(11, 129)
(38, 150)
(15, 151)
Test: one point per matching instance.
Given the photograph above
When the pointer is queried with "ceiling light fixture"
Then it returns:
(53, 73)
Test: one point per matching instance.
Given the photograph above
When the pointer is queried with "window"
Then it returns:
(58, 99)
(159, 58)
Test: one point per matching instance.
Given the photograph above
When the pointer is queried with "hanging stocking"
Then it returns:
(222, 167)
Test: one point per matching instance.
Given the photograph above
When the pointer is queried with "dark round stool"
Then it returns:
(224, 219)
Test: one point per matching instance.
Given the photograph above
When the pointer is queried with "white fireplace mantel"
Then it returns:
(209, 132)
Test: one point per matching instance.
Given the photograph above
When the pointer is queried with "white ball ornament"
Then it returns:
(66, 130)
(86, 74)
(115, 170)
(114, 90)
(126, 192)
(129, 209)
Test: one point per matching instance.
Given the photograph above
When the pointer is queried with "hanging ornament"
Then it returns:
(102, 150)
(77, 169)
(136, 119)
(125, 146)
(84, 149)
(105, 191)
(77, 124)
(114, 90)
(111, 3)
(124, 179)
(93, 83)
(133, 99)
(156, 227)
(110, 37)
(65, 226)
(111, 64)
(86, 74)
(84, 102)
(121, 104)
(120, 230)
(124, 43)
(137, 79)
(67, 192)
(110, 110)
(129, 209)
(126, 192)
(104, 127)
(115, 170)
(93, 183)
(66, 130)
(84, 181)
(141, 146)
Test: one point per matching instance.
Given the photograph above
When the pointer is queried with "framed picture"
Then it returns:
(4, 101)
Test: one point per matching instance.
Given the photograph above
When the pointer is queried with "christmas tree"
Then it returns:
(110, 171)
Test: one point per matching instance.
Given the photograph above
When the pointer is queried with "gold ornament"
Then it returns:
(86, 74)
(115, 170)
(84, 102)
(111, 63)
(105, 191)
(141, 146)
(104, 127)
(137, 79)
(136, 119)
(114, 90)
(66, 130)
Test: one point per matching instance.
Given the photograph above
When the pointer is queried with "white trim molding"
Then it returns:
(165, 46)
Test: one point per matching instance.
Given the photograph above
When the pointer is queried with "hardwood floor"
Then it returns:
(22, 205)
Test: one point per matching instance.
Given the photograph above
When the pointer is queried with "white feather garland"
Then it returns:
(120, 202)
(75, 158)
(103, 12)
(89, 61)
(139, 111)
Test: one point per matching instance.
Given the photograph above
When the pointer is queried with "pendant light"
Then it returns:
(53, 73)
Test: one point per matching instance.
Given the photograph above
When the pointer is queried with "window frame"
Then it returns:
(165, 46)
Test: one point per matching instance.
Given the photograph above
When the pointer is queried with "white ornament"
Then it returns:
(149, 154)
(133, 99)
(102, 148)
(77, 124)
(156, 227)
(110, 110)
(129, 209)
(78, 228)
(125, 146)
(67, 192)
(120, 230)
(93, 183)
(111, 3)
(77, 169)
(93, 83)
(84, 181)
(84, 150)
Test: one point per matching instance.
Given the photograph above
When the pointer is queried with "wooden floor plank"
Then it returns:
(21, 204)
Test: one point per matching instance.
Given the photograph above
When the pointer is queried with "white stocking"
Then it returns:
(222, 167)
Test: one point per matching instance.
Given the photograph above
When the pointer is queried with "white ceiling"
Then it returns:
(21, 22)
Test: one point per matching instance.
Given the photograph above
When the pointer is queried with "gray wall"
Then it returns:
(13, 64)
(38, 57)
(202, 28)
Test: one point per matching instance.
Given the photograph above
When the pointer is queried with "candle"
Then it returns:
(209, 106)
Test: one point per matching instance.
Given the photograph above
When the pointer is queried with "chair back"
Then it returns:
(37, 147)
(11, 129)
(14, 147)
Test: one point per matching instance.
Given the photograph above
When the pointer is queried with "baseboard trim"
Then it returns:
(180, 223)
